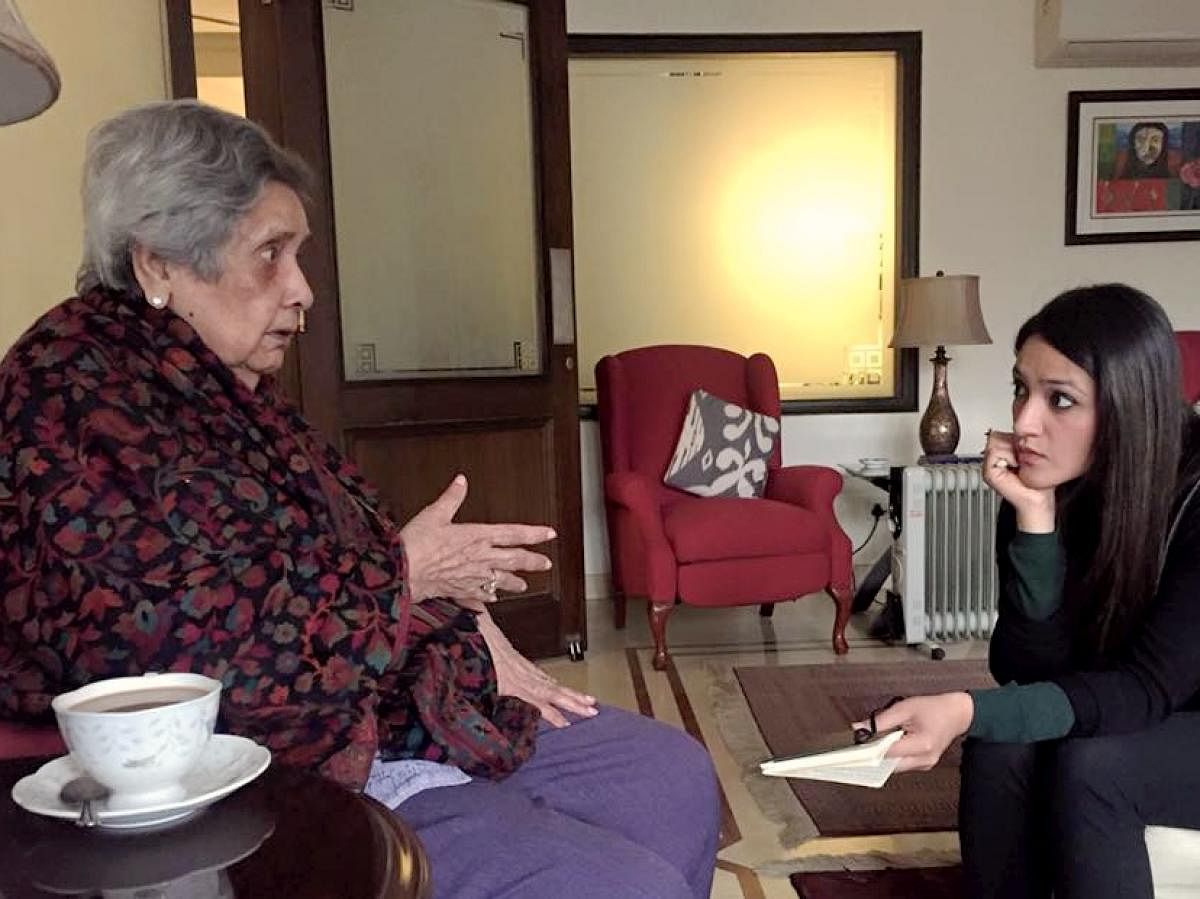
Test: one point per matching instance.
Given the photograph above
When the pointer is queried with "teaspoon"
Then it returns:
(84, 790)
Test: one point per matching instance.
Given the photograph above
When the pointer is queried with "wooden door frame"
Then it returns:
(273, 44)
(181, 47)
(181, 70)
(313, 374)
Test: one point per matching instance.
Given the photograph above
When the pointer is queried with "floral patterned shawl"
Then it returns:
(155, 514)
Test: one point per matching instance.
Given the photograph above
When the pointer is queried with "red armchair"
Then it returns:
(667, 545)
(1189, 355)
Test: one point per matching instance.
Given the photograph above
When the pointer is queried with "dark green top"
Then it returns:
(1027, 713)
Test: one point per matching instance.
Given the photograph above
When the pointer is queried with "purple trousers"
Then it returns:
(613, 806)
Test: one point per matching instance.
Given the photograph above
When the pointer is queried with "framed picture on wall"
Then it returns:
(1133, 166)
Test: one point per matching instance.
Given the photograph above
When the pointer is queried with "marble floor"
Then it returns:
(752, 863)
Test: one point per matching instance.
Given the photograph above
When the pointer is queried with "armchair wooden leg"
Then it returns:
(843, 598)
(658, 613)
(619, 611)
(766, 610)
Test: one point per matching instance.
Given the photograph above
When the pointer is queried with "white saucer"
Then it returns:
(228, 763)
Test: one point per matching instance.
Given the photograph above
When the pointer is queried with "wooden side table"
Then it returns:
(290, 833)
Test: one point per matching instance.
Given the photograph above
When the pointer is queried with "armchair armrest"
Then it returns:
(645, 499)
(814, 487)
(650, 559)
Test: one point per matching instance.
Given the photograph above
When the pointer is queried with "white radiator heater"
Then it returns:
(944, 559)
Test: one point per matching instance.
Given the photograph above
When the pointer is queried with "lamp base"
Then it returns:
(939, 430)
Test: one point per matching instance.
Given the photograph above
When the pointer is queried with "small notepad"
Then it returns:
(862, 765)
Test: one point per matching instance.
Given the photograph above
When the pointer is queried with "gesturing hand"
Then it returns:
(519, 677)
(1034, 506)
(467, 562)
(930, 725)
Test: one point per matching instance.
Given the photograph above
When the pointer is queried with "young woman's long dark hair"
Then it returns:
(1114, 519)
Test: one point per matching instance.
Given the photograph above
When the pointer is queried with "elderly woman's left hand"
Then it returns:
(467, 562)
(519, 677)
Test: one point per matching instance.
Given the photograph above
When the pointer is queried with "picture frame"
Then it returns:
(1133, 166)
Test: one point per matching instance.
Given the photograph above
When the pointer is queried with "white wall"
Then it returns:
(993, 138)
(110, 54)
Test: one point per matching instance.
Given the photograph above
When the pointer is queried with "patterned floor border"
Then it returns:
(730, 833)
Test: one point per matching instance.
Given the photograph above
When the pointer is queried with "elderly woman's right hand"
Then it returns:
(467, 562)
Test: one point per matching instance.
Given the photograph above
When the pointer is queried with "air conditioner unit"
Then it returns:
(1117, 33)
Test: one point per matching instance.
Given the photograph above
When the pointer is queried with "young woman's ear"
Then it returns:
(153, 275)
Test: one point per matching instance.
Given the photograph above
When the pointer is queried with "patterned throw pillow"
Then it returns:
(723, 449)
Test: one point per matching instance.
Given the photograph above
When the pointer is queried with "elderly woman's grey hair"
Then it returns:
(175, 177)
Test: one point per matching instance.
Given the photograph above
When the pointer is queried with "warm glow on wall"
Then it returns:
(789, 232)
(740, 201)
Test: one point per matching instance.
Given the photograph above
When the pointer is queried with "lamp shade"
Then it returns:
(29, 82)
(941, 311)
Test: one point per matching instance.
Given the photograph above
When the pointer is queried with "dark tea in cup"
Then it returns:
(138, 700)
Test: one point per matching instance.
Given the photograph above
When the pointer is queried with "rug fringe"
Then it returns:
(739, 732)
(869, 861)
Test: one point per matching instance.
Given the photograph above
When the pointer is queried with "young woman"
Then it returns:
(1094, 733)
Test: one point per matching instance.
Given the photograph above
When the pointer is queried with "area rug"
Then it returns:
(791, 705)
(896, 883)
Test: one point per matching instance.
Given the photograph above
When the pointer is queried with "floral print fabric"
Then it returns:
(155, 514)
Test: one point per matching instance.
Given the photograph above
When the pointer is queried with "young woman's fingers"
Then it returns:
(892, 717)
(915, 763)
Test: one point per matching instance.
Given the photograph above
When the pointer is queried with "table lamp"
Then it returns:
(935, 312)
(29, 82)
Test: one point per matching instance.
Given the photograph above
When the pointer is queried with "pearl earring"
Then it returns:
(157, 302)
(302, 327)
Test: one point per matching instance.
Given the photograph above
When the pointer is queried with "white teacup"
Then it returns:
(139, 735)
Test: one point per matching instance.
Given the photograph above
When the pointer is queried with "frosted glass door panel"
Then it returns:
(434, 191)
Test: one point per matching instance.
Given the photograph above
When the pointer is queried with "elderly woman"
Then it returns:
(163, 507)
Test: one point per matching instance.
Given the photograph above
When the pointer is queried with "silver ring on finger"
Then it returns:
(489, 586)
